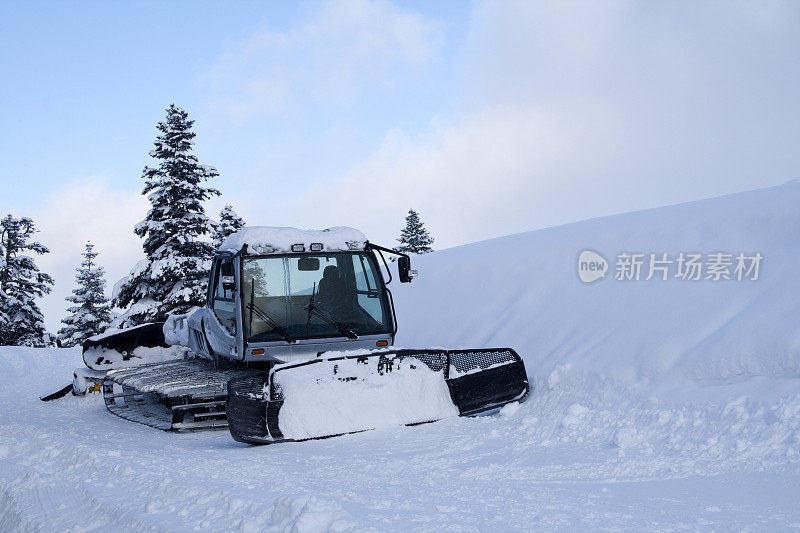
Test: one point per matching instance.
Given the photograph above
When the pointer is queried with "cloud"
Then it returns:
(487, 173)
(572, 110)
(86, 209)
(341, 49)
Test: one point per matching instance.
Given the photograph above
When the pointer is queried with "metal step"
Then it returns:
(211, 424)
(210, 413)
(195, 405)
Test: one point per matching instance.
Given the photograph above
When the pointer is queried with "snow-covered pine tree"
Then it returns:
(173, 277)
(91, 314)
(414, 238)
(21, 282)
(229, 223)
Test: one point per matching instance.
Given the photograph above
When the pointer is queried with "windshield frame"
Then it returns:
(389, 321)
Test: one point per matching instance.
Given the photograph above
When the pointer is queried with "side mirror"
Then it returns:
(226, 276)
(404, 269)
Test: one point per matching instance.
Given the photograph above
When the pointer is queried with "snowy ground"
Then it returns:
(568, 457)
(682, 413)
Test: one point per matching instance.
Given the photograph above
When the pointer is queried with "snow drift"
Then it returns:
(660, 338)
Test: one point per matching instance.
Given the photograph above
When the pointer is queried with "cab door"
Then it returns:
(220, 324)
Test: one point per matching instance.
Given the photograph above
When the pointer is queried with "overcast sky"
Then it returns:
(489, 118)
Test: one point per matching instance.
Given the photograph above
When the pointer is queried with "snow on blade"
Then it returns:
(347, 395)
(110, 332)
(108, 359)
(273, 240)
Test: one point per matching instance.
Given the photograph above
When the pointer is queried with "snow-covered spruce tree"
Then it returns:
(91, 313)
(414, 238)
(173, 277)
(229, 223)
(21, 282)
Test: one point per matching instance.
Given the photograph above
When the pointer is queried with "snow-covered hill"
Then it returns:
(656, 405)
(662, 338)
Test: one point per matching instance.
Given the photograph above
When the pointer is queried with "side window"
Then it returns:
(366, 288)
(225, 271)
(223, 301)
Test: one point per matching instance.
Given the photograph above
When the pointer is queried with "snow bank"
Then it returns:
(671, 339)
(275, 240)
(352, 395)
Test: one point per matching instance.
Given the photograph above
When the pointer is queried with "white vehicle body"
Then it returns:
(290, 268)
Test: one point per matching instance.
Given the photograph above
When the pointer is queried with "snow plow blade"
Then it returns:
(124, 342)
(326, 397)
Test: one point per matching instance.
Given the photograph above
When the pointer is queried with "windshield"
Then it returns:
(313, 296)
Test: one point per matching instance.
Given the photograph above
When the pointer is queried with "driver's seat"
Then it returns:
(331, 291)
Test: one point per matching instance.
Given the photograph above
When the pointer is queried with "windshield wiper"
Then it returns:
(260, 313)
(311, 308)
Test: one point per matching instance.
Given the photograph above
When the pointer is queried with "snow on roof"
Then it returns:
(277, 240)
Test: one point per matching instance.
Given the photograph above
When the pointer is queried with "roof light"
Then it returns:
(353, 245)
(316, 246)
(298, 248)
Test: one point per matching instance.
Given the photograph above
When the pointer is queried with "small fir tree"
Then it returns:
(91, 314)
(414, 238)
(21, 282)
(229, 223)
(174, 276)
